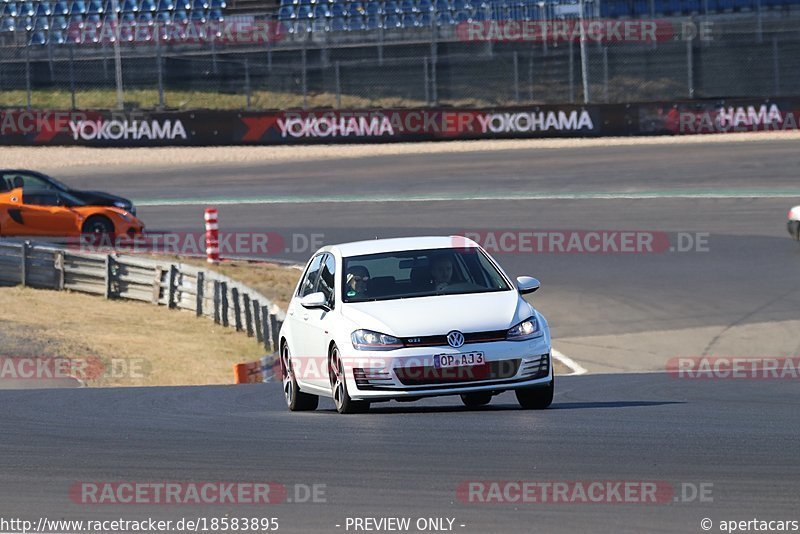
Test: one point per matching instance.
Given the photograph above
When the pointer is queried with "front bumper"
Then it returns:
(794, 229)
(410, 372)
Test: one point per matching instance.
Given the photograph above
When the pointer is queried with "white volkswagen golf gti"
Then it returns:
(402, 319)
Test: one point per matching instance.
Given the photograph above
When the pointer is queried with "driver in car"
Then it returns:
(442, 272)
(356, 281)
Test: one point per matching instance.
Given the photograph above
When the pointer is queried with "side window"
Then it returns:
(27, 181)
(327, 279)
(310, 278)
(40, 198)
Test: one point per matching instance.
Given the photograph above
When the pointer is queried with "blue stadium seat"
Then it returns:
(641, 7)
(61, 8)
(130, 6)
(59, 23)
(145, 19)
(218, 4)
(57, 37)
(148, 6)
(374, 22)
(76, 21)
(391, 8)
(392, 22)
(462, 15)
(93, 19)
(166, 5)
(215, 14)
(743, 5)
(691, 6)
(439, 5)
(408, 7)
(286, 13)
(6, 24)
(321, 11)
(357, 23)
(373, 9)
(24, 24)
(199, 5)
(43, 9)
(444, 19)
(26, 9)
(95, 7)
(356, 9)
(425, 6)
(198, 15)
(303, 13)
(408, 21)
(164, 18)
(78, 7)
(338, 24)
(10, 10)
(338, 10)
(424, 20)
(41, 24)
(179, 16)
(38, 39)
(128, 19)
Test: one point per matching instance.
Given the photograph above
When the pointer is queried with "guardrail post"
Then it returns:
(257, 321)
(274, 329)
(23, 268)
(237, 310)
(266, 327)
(217, 301)
(157, 285)
(58, 265)
(248, 315)
(201, 284)
(224, 292)
(173, 283)
(109, 278)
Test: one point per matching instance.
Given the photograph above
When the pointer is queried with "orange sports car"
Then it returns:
(43, 212)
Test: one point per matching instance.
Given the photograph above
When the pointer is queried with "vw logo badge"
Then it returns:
(455, 339)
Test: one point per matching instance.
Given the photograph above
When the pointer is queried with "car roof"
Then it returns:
(377, 246)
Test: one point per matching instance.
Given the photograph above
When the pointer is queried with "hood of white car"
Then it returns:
(428, 316)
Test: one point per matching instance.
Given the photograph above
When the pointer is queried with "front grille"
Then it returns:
(441, 340)
(428, 375)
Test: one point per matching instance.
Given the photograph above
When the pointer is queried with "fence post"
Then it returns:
(237, 310)
(571, 73)
(72, 74)
(23, 268)
(530, 77)
(173, 282)
(257, 321)
(156, 295)
(217, 302)
(427, 81)
(248, 315)
(266, 327)
(159, 68)
(605, 74)
(274, 329)
(516, 77)
(28, 69)
(338, 86)
(690, 67)
(224, 291)
(776, 66)
(58, 264)
(305, 77)
(109, 276)
(201, 285)
(246, 84)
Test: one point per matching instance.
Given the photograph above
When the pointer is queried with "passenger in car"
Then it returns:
(356, 281)
(442, 272)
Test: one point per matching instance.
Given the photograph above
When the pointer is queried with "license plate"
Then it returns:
(464, 359)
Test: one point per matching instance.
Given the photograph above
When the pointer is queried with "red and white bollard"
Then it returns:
(212, 235)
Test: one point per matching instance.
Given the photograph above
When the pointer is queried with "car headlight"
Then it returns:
(369, 340)
(527, 329)
(120, 204)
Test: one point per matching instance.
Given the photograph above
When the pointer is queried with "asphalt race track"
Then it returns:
(622, 316)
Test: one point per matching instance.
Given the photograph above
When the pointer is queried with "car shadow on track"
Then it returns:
(389, 409)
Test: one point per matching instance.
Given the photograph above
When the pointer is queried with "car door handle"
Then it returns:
(305, 317)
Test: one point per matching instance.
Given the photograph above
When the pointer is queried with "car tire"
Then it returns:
(98, 225)
(476, 400)
(341, 398)
(536, 398)
(296, 400)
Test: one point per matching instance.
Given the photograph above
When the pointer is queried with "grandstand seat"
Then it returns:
(321, 11)
(93, 19)
(408, 21)
(199, 5)
(373, 8)
(57, 37)
(408, 7)
(424, 20)
(78, 7)
(724, 5)
(392, 22)
(148, 6)
(691, 6)
(60, 8)
(337, 10)
(26, 9)
(743, 5)
(38, 39)
(357, 23)
(439, 5)
(41, 24)
(303, 13)
(338, 24)
(462, 15)
(165, 5)
(374, 22)
(24, 24)
(445, 19)
(10, 10)
(43, 9)
(216, 14)
(128, 19)
(95, 7)
(145, 19)
(286, 13)
(391, 8)
(76, 21)
(641, 7)
(198, 15)
(130, 6)
(218, 4)
(163, 17)
(288, 3)
(59, 23)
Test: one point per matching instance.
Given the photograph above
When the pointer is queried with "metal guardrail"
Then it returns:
(118, 276)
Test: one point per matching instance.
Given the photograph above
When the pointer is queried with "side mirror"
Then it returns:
(527, 284)
(314, 300)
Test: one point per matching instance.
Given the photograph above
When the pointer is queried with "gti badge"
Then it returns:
(455, 339)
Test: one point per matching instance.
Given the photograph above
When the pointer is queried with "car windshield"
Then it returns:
(419, 273)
